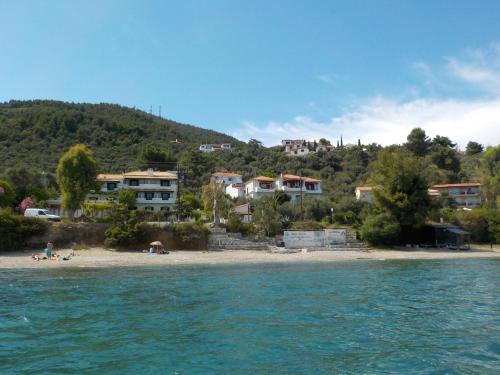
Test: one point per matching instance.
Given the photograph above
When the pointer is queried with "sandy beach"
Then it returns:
(100, 257)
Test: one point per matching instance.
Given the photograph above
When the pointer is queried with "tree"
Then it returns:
(402, 190)
(267, 219)
(473, 148)
(445, 158)
(25, 204)
(128, 198)
(490, 176)
(76, 175)
(443, 142)
(324, 142)
(7, 194)
(215, 201)
(279, 198)
(155, 158)
(380, 229)
(186, 206)
(418, 142)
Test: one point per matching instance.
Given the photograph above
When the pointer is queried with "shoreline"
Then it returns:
(98, 257)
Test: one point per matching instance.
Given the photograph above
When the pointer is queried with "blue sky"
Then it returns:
(267, 69)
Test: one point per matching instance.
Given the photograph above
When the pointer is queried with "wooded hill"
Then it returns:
(36, 133)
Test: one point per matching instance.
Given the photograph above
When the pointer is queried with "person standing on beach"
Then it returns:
(50, 248)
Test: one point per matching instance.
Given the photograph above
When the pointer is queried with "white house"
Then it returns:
(215, 147)
(155, 190)
(465, 195)
(244, 212)
(260, 186)
(236, 190)
(295, 147)
(364, 193)
(297, 186)
(229, 178)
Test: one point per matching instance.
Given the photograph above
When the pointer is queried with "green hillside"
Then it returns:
(36, 133)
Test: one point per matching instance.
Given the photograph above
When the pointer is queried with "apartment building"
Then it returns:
(464, 195)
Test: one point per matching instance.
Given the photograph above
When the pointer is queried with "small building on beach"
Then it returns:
(445, 235)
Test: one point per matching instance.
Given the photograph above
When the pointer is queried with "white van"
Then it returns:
(41, 213)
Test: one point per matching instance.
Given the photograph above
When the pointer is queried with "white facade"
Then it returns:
(466, 195)
(228, 178)
(215, 147)
(155, 191)
(260, 186)
(364, 193)
(295, 147)
(236, 190)
(297, 186)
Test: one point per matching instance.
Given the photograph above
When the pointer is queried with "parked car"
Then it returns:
(41, 213)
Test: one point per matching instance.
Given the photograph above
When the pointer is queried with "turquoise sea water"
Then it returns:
(357, 317)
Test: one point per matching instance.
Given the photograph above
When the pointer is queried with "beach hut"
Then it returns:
(446, 235)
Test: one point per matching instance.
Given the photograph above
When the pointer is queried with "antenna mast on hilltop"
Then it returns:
(159, 111)
(150, 109)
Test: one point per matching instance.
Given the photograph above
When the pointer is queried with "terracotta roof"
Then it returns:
(151, 174)
(291, 177)
(263, 178)
(466, 184)
(227, 174)
(109, 177)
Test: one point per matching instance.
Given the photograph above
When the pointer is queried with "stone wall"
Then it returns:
(92, 234)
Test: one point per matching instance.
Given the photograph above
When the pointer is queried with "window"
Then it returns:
(40, 212)
(149, 196)
(165, 209)
(133, 182)
(165, 182)
(92, 198)
(165, 196)
(149, 208)
(112, 186)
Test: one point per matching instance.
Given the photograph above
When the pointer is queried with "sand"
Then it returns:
(100, 257)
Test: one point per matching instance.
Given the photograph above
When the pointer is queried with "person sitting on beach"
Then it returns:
(35, 257)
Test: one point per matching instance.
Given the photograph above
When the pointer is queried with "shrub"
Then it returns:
(186, 232)
(380, 229)
(475, 222)
(7, 194)
(307, 225)
(15, 230)
(127, 229)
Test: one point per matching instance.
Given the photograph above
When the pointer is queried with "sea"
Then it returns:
(348, 317)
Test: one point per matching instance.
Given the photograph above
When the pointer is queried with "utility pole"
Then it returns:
(159, 111)
(301, 198)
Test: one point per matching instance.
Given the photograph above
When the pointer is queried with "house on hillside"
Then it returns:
(215, 147)
(364, 193)
(229, 178)
(155, 190)
(236, 190)
(297, 186)
(295, 147)
(244, 212)
(464, 195)
(260, 186)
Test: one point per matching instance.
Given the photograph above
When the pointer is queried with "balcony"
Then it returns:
(143, 200)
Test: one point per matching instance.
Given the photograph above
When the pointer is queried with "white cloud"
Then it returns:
(387, 121)
(479, 68)
(327, 78)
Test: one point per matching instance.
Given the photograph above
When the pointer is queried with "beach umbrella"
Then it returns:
(156, 243)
